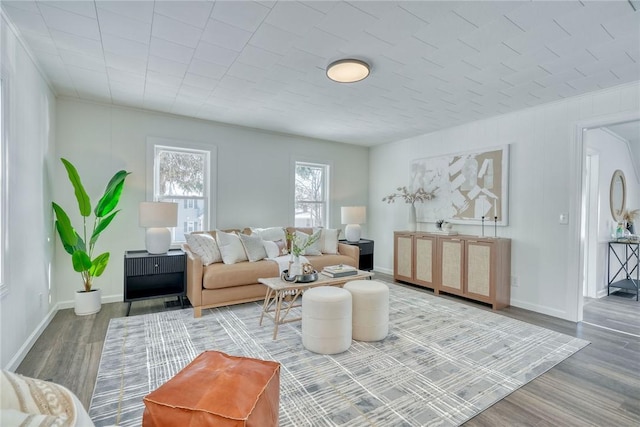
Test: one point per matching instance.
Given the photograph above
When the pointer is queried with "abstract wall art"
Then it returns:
(468, 186)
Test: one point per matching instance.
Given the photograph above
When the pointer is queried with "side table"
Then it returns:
(366, 253)
(149, 276)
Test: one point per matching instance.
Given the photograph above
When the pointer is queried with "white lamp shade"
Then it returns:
(158, 214)
(353, 214)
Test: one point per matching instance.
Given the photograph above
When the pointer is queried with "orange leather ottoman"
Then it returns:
(220, 390)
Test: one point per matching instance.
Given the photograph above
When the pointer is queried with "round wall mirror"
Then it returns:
(617, 195)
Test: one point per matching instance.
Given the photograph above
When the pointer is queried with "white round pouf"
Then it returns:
(326, 320)
(370, 309)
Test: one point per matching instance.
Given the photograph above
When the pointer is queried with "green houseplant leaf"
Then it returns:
(81, 245)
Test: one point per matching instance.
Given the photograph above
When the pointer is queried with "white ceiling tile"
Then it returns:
(125, 63)
(246, 72)
(42, 43)
(321, 43)
(175, 31)
(258, 57)
(27, 20)
(222, 34)
(154, 90)
(138, 10)
(83, 45)
(193, 13)
(294, 17)
(492, 34)
(62, 20)
(168, 50)
(531, 15)
(156, 78)
(245, 15)
(444, 31)
(346, 21)
(273, 39)
(192, 92)
(125, 77)
(167, 66)
(125, 47)
(207, 69)
(201, 82)
(215, 54)
(26, 5)
(84, 8)
(76, 59)
(123, 26)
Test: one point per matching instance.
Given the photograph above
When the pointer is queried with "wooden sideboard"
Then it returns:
(473, 267)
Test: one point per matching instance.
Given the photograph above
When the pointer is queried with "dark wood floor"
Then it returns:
(598, 386)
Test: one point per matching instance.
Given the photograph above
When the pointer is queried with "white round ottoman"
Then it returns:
(326, 320)
(370, 309)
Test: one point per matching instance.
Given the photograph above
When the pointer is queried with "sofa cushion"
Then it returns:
(216, 276)
(315, 248)
(231, 248)
(276, 248)
(253, 247)
(329, 240)
(271, 233)
(205, 246)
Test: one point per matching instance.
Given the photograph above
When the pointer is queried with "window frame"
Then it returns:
(209, 219)
(328, 167)
(4, 177)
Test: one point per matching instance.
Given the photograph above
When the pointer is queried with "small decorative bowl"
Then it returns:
(300, 278)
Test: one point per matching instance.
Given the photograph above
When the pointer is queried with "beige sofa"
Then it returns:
(222, 284)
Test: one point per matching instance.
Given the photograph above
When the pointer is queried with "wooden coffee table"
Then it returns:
(282, 295)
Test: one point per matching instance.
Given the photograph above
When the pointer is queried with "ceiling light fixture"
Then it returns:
(348, 70)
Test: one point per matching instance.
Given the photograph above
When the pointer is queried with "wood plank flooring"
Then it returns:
(598, 386)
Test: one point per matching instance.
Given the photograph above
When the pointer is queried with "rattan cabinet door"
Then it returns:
(403, 257)
(451, 263)
(479, 268)
(425, 260)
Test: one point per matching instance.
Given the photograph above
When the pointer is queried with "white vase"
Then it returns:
(295, 267)
(411, 225)
(88, 302)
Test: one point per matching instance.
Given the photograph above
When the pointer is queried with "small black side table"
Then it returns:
(366, 253)
(149, 276)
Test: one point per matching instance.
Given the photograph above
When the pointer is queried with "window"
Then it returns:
(182, 174)
(311, 195)
(3, 182)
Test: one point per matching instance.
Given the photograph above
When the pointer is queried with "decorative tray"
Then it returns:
(300, 278)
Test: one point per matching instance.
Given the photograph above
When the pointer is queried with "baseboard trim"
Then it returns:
(17, 359)
(383, 270)
(541, 309)
(105, 300)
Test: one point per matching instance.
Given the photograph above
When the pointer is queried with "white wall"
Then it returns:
(27, 307)
(254, 185)
(540, 189)
(614, 153)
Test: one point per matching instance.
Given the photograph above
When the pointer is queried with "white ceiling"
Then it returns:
(262, 63)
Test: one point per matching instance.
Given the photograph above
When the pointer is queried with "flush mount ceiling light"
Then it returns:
(348, 70)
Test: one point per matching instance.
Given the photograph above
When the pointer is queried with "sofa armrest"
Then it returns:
(194, 277)
(351, 251)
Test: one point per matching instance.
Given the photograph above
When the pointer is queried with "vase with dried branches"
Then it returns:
(629, 216)
(411, 197)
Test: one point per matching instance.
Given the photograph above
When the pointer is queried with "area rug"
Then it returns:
(442, 363)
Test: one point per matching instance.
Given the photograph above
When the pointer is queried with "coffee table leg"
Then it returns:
(265, 306)
(276, 318)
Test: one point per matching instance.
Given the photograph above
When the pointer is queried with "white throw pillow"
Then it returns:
(231, 248)
(272, 233)
(253, 247)
(329, 239)
(315, 248)
(276, 248)
(205, 246)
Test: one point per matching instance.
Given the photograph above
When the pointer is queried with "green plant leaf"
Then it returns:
(99, 264)
(81, 261)
(102, 224)
(84, 203)
(64, 227)
(80, 245)
(111, 196)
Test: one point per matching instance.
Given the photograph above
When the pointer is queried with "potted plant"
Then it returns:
(81, 246)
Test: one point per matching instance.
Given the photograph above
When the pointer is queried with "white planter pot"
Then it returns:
(88, 302)
(411, 225)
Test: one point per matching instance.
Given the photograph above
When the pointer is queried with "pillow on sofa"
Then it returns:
(205, 246)
(315, 248)
(329, 239)
(271, 234)
(253, 247)
(276, 248)
(231, 248)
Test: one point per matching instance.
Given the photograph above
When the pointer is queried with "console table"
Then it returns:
(149, 276)
(625, 262)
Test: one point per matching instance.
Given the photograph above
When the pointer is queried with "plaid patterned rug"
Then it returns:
(442, 363)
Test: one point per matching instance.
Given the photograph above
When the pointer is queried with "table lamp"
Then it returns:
(156, 217)
(353, 216)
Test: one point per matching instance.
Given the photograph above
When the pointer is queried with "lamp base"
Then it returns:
(352, 232)
(157, 240)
